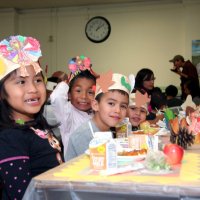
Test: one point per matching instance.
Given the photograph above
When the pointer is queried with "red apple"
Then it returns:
(174, 153)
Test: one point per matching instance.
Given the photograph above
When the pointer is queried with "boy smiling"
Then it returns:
(110, 107)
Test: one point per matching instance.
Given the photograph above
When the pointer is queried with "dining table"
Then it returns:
(75, 180)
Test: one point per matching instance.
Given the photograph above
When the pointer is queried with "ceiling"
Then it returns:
(38, 4)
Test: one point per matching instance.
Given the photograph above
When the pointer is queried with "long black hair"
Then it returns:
(142, 75)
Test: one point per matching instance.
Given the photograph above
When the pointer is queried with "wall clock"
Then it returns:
(98, 29)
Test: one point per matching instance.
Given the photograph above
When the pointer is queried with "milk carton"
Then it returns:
(103, 154)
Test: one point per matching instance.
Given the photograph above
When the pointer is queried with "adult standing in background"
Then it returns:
(186, 70)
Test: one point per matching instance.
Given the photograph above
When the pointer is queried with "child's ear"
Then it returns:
(95, 105)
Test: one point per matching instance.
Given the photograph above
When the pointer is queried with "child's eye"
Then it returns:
(124, 106)
(38, 80)
(143, 111)
(133, 108)
(20, 82)
(111, 103)
(78, 90)
(91, 93)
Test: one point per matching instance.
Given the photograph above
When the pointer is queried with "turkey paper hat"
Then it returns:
(19, 52)
(112, 81)
(78, 64)
(139, 100)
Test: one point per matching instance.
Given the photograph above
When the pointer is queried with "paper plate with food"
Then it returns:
(129, 155)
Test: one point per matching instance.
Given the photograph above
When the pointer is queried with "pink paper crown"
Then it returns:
(79, 64)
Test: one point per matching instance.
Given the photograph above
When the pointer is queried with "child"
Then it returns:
(137, 110)
(27, 146)
(110, 106)
(72, 103)
(157, 104)
(171, 92)
(190, 88)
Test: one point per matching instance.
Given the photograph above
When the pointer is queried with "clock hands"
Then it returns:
(99, 27)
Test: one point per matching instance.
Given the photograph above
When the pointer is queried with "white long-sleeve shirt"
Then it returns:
(69, 117)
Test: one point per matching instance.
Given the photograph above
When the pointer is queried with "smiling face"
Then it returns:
(110, 110)
(136, 115)
(82, 93)
(26, 95)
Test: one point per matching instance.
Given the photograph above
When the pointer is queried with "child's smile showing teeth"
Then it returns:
(32, 100)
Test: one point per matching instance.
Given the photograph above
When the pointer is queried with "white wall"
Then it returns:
(141, 36)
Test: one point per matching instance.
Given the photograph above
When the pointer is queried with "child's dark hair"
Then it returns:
(6, 120)
(99, 96)
(158, 100)
(171, 90)
(83, 74)
(193, 88)
(53, 79)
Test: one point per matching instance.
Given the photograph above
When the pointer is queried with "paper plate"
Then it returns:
(163, 132)
(125, 158)
(131, 158)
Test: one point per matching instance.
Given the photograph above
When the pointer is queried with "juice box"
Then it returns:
(143, 141)
(122, 129)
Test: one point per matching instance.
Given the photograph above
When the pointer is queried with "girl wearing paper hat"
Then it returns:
(24, 133)
(71, 100)
(137, 110)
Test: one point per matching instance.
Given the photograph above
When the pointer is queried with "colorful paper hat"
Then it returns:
(188, 103)
(19, 52)
(79, 64)
(139, 100)
(110, 81)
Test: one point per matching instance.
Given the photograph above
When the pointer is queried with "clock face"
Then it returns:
(97, 29)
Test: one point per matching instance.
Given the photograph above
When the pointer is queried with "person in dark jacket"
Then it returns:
(186, 70)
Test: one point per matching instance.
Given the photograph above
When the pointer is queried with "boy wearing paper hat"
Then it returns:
(110, 106)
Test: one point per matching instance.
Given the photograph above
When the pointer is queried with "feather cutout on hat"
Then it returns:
(141, 99)
(112, 81)
(138, 99)
(19, 52)
(105, 81)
